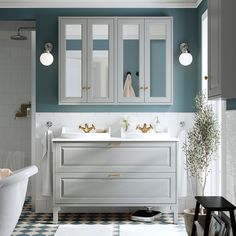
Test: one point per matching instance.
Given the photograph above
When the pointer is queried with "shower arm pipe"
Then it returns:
(25, 28)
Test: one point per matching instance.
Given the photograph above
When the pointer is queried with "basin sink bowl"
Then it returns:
(139, 135)
(76, 133)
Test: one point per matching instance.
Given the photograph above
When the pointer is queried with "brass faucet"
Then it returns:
(86, 128)
(145, 128)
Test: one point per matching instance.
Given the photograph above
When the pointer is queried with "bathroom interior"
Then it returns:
(104, 118)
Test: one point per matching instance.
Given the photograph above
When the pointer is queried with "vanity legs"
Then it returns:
(55, 214)
(174, 209)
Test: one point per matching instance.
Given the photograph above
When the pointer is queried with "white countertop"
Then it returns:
(116, 139)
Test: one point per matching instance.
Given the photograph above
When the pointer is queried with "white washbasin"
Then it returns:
(139, 135)
(74, 133)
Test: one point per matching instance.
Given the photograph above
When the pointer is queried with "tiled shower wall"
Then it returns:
(15, 89)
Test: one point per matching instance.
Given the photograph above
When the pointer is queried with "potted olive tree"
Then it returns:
(200, 146)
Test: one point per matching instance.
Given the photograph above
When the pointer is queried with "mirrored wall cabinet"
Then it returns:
(86, 60)
(115, 60)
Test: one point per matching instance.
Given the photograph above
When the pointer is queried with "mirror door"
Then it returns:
(100, 60)
(158, 61)
(131, 60)
(72, 71)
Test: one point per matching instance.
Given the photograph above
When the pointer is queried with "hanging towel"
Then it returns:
(47, 163)
(181, 170)
(128, 89)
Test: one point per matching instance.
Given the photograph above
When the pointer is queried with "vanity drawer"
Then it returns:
(115, 188)
(116, 157)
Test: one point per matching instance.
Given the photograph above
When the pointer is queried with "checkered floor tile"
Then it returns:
(40, 224)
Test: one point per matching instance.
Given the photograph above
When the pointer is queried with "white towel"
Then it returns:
(128, 89)
(47, 163)
(182, 172)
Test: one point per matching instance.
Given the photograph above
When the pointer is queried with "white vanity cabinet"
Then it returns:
(221, 49)
(145, 52)
(86, 60)
(114, 173)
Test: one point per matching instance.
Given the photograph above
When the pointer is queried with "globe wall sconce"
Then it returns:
(185, 57)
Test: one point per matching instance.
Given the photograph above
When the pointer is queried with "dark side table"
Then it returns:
(213, 203)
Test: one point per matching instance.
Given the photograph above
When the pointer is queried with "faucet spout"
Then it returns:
(86, 128)
(145, 128)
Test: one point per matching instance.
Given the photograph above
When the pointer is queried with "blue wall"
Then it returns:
(231, 104)
(186, 79)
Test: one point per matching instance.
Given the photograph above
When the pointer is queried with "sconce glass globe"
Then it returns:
(46, 58)
(185, 58)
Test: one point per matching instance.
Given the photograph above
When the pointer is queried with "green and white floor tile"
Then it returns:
(40, 224)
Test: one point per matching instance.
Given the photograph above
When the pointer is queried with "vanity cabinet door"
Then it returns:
(158, 61)
(72, 60)
(100, 60)
(131, 60)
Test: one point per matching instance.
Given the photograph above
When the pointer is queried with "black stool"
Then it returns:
(213, 204)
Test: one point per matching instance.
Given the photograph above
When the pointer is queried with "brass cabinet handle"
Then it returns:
(88, 87)
(206, 77)
(114, 144)
(141, 87)
(84, 87)
(146, 87)
(114, 175)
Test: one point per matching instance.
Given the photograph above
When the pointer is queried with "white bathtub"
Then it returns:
(12, 197)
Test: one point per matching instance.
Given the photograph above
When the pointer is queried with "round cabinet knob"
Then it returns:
(84, 87)
(88, 87)
(206, 77)
(141, 87)
(146, 87)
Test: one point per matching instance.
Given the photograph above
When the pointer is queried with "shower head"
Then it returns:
(18, 36)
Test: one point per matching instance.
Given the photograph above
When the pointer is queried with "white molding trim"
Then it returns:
(198, 3)
(98, 4)
(33, 114)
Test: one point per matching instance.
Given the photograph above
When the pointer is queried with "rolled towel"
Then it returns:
(5, 173)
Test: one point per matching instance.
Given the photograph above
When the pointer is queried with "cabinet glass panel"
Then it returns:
(131, 37)
(73, 60)
(130, 60)
(157, 38)
(100, 59)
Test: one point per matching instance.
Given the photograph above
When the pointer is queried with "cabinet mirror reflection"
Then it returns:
(73, 60)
